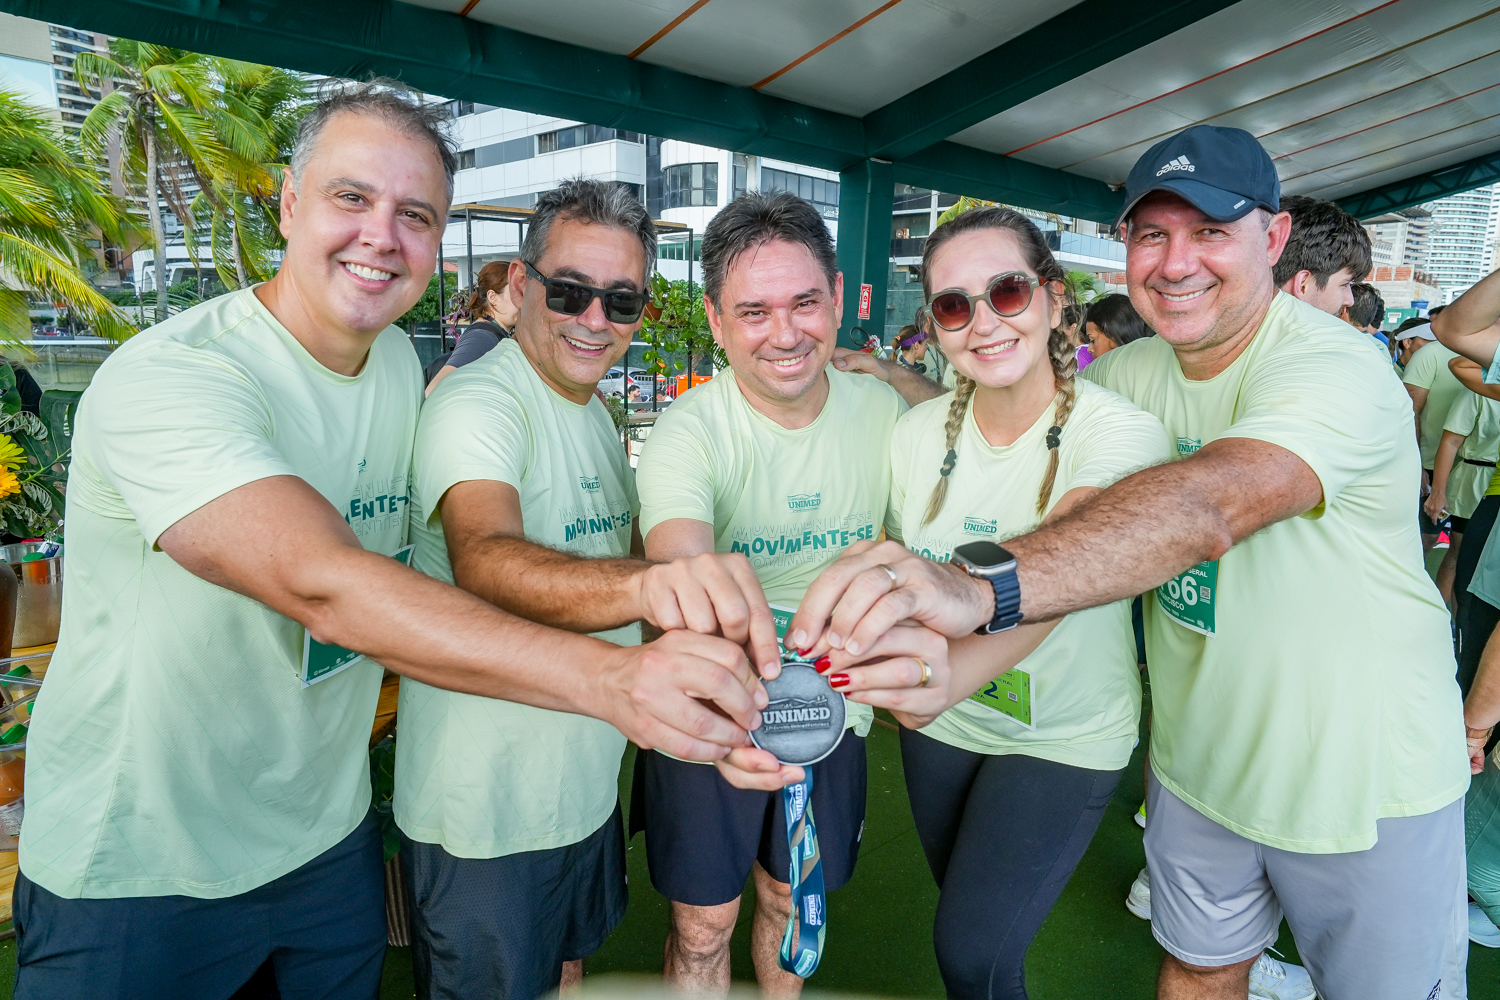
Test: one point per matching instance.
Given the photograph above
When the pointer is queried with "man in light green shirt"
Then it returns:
(787, 461)
(522, 494)
(198, 759)
(1307, 755)
(1433, 390)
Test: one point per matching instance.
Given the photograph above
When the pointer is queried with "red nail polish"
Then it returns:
(822, 663)
(838, 680)
(803, 652)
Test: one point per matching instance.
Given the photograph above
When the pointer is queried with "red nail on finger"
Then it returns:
(838, 680)
(822, 663)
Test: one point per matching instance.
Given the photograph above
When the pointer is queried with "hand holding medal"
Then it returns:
(803, 723)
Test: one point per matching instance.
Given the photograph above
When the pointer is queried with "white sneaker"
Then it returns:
(1273, 980)
(1139, 900)
(1140, 816)
(1482, 929)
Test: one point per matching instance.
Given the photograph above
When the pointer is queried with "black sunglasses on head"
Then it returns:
(621, 305)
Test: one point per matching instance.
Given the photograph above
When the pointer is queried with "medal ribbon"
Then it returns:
(808, 920)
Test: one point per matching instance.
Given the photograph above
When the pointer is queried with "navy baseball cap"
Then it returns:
(1223, 172)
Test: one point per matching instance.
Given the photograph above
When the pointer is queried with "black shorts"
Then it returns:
(319, 930)
(1426, 524)
(502, 927)
(1457, 525)
(702, 833)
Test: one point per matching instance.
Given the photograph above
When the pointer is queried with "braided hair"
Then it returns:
(1059, 350)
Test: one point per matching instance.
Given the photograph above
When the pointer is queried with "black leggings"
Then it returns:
(1010, 829)
(1475, 617)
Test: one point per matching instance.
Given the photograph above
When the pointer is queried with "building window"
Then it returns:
(677, 250)
(691, 185)
(823, 194)
(466, 159)
(656, 198)
(583, 135)
(457, 109)
(739, 184)
(511, 151)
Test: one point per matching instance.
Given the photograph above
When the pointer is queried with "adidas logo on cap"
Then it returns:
(1181, 163)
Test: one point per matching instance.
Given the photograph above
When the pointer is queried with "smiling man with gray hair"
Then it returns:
(198, 765)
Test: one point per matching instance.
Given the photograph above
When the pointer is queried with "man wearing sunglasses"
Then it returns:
(514, 850)
(1307, 753)
(786, 461)
(199, 758)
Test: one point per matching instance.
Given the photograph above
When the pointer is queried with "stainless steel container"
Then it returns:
(39, 605)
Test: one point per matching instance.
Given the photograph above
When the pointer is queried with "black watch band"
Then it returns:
(1007, 603)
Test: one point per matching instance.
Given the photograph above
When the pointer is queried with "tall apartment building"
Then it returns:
(36, 59)
(1402, 238)
(1463, 249)
(73, 100)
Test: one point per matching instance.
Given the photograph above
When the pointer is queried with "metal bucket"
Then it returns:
(39, 605)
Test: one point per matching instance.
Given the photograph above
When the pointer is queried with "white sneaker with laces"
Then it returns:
(1482, 929)
(1139, 900)
(1273, 980)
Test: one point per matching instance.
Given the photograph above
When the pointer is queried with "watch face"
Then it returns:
(983, 554)
(805, 719)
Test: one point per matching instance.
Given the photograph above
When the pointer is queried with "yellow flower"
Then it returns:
(9, 483)
(11, 455)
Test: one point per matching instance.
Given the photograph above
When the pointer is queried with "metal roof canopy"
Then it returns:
(1379, 104)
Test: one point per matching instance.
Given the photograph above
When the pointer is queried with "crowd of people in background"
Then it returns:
(987, 536)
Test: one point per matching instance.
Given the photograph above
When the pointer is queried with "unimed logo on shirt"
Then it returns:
(1186, 446)
(981, 526)
(804, 501)
(589, 484)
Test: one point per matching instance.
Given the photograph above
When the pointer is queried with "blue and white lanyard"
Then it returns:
(809, 918)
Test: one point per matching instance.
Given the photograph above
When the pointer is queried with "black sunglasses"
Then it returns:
(1007, 294)
(621, 305)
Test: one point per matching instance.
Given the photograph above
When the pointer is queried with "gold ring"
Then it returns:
(926, 672)
(890, 573)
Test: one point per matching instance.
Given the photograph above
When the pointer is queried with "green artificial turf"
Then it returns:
(879, 939)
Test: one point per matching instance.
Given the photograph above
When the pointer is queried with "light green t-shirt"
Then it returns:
(175, 750)
(1078, 695)
(790, 500)
(1478, 419)
(1326, 700)
(480, 776)
(1428, 369)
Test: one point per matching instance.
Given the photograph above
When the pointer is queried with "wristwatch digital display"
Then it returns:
(988, 561)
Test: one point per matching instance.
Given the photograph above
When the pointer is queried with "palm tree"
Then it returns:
(173, 130)
(242, 214)
(51, 206)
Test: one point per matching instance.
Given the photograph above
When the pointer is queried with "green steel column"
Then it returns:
(864, 244)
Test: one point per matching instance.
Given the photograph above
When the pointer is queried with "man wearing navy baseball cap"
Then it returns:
(1307, 753)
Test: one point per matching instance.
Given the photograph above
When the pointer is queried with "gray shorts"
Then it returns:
(1387, 922)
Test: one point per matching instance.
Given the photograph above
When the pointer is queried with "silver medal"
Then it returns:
(805, 720)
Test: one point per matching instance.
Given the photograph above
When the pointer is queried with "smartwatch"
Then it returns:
(988, 561)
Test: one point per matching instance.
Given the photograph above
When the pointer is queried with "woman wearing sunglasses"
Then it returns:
(1008, 784)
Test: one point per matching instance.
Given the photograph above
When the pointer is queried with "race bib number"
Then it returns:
(782, 616)
(1009, 694)
(1189, 599)
(321, 660)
